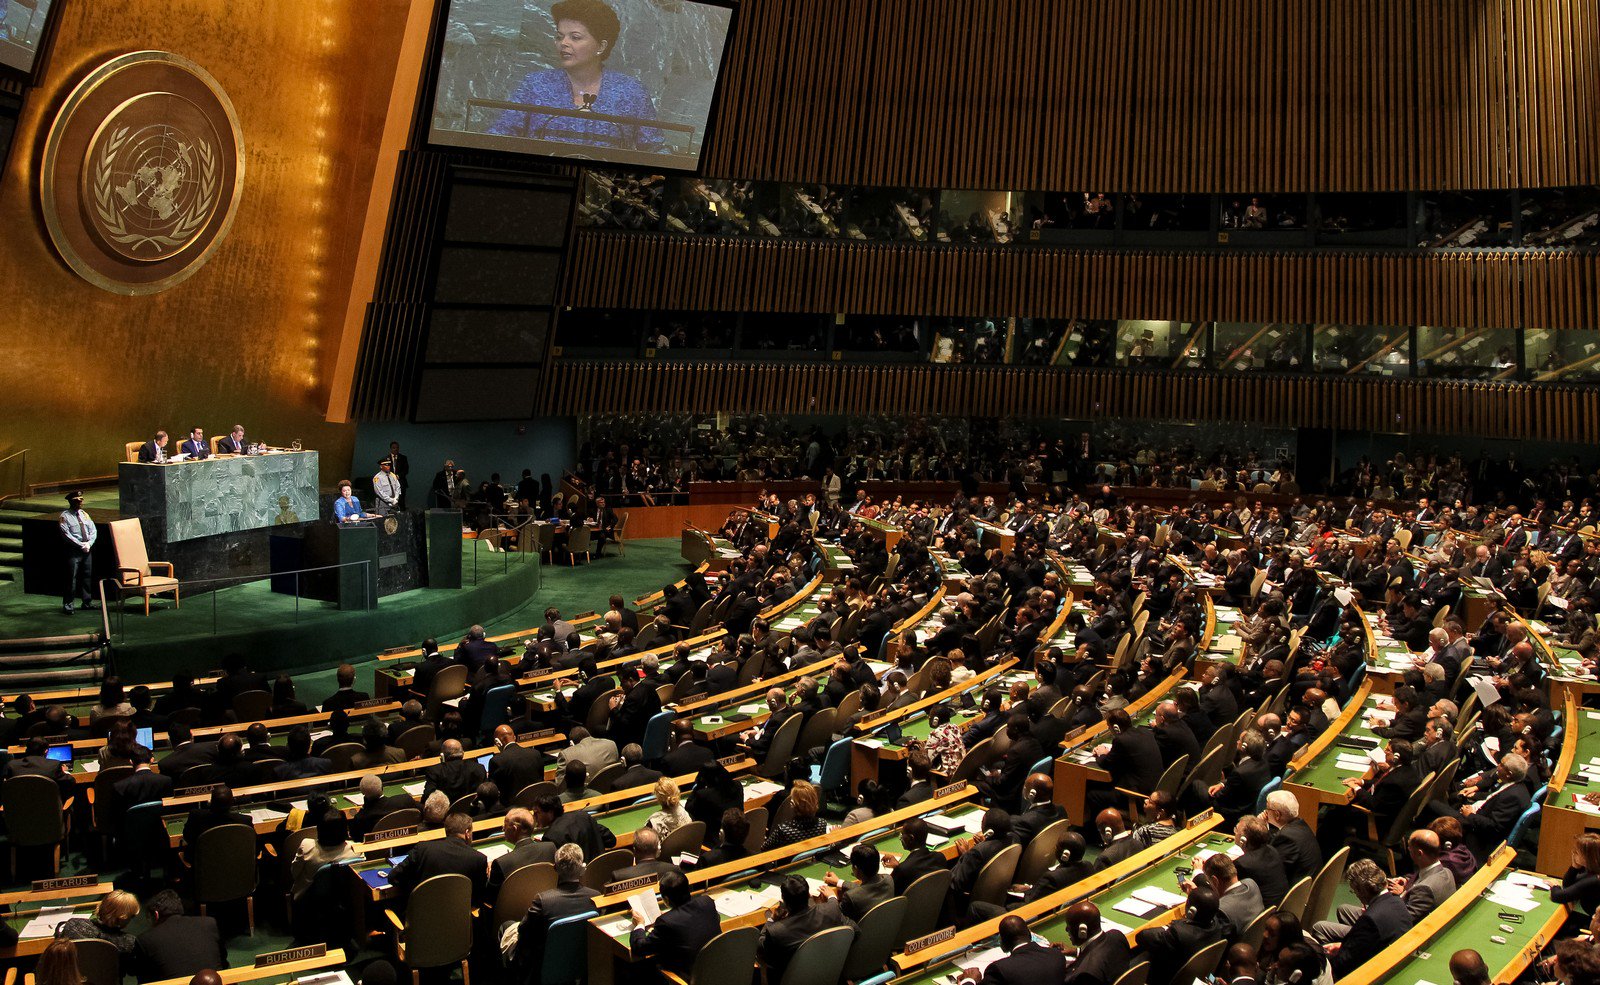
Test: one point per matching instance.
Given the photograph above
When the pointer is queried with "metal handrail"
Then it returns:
(22, 487)
(241, 579)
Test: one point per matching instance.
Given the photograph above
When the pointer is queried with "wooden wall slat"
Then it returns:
(1154, 96)
(1542, 289)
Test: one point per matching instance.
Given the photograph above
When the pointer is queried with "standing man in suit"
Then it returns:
(1025, 963)
(1103, 955)
(79, 533)
(1384, 919)
(568, 899)
(233, 442)
(154, 450)
(451, 854)
(401, 467)
(195, 447)
(454, 775)
(679, 934)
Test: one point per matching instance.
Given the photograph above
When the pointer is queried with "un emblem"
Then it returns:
(142, 174)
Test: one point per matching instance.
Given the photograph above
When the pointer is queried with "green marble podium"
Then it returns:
(225, 494)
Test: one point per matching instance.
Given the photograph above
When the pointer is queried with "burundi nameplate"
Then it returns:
(143, 169)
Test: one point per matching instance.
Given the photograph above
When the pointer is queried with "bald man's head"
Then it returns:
(1424, 845)
(1109, 823)
(451, 749)
(1083, 921)
(1467, 968)
(504, 735)
(206, 977)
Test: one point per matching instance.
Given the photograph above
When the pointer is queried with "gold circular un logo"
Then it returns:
(143, 172)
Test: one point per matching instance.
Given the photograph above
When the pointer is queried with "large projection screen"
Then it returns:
(618, 81)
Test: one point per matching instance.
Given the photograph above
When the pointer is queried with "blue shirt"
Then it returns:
(620, 95)
(342, 509)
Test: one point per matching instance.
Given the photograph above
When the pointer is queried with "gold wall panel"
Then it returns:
(251, 338)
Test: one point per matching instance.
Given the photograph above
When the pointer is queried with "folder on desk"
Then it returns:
(376, 878)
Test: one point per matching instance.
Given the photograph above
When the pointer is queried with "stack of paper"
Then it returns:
(1352, 763)
(414, 789)
(266, 815)
(1160, 897)
(44, 924)
(1512, 895)
(762, 788)
(1136, 907)
(492, 852)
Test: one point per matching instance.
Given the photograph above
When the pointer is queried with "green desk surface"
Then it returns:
(1054, 928)
(1324, 772)
(1473, 928)
(18, 919)
(799, 615)
(751, 700)
(878, 525)
(1161, 875)
(1588, 736)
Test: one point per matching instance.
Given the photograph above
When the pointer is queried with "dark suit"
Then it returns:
(42, 766)
(148, 452)
(515, 767)
(1241, 785)
(769, 730)
(1028, 824)
(191, 754)
(1176, 739)
(914, 866)
(1490, 824)
(577, 827)
(437, 858)
(856, 898)
(1297, 845)
(1170, 946)
(372, 812)
(1134, 760)
(568, 899)
(204, 819)
(1265, 866)
(527, 852)
(1028, 964)
(344, 699)
(226, 445)
(1381, 924)
(678, 935)
(456, 777)
(195, 449)
(780, 939)
(1101, 961)
(636, 776)
(178, 947)
(475, 653)
(422, 677)
(142, 786)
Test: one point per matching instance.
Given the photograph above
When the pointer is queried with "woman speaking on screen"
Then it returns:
(586, 35)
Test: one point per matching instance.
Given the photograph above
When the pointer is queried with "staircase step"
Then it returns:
(11, 680)
(10, 541)
(45, 662)
(11, 558)
(74, 642)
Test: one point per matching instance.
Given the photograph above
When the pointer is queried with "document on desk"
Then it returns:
(646, 905)
(762, 788)
(45, 923)
(1136, 907)
(414, 789)
(1158, 896)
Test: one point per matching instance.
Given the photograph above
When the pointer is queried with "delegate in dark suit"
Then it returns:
(515, 767)
(916, 864)
(526, 852)
(1297, 845)
(1027, 964)
(678, 935)
(780, 939)
(1381, 924)
(456, 777)
(178, 947)
(1134, 760)
(437, 858)
(568, 899)
(1102, 959)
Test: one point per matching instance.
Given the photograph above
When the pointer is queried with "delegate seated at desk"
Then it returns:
(196, 447)
(347, 508)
